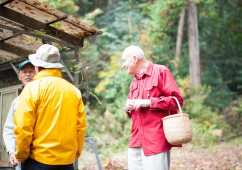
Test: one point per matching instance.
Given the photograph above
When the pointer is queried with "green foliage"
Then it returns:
(120, 24)
(233, 116)
(111, 130)
(155, 29)
(203, 134)
(152, 25)
(204, 120)
(220, 43)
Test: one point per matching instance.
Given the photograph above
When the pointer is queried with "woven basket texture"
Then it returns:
(177, 129)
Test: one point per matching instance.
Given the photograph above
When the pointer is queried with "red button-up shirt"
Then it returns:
(158, 85)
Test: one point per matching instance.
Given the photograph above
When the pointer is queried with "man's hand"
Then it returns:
(130, 104)
(14, 162)
(141, 103)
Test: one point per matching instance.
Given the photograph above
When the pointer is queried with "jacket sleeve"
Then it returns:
(24, 123)
(8, 132)
(81, 128)
(170, 89)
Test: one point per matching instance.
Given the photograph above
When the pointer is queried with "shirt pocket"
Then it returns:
(133, 86)
(151, 91)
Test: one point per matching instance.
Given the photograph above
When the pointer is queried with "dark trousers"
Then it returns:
(31, 164)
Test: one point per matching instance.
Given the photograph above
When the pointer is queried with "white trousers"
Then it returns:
(138, 161)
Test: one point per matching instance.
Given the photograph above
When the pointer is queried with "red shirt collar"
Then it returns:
(149, 69)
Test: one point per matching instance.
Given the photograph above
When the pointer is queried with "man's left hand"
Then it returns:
(141, 103)
(14, 162)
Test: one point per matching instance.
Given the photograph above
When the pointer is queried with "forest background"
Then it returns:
(214, 105)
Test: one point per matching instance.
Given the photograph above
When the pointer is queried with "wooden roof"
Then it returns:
(27, 24)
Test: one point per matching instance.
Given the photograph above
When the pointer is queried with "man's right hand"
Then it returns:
(14, 162)
(130, 104)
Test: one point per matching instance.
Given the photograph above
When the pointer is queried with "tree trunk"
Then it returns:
(180, 34)
(194, 67)
(110, 2)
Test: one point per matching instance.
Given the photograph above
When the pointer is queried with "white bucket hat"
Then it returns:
(47, 56)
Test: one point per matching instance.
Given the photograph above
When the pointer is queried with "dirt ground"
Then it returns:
(227, 155)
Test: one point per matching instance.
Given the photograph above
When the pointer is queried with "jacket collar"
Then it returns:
(54, 72)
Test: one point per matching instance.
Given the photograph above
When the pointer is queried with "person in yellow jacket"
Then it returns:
(50, 120)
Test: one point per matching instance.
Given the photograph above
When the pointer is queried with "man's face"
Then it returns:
(26, 74)
(129, 64)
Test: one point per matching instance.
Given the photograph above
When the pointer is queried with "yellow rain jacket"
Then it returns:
(50, 120)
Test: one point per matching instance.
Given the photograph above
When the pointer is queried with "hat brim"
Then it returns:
(39, 63)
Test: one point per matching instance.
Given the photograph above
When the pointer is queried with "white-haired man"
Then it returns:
(150, 99)
(26, 73)
(50, 118)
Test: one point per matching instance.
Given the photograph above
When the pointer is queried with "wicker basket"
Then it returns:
(177, 128)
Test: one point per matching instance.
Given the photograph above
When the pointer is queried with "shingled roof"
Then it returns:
(27, 24)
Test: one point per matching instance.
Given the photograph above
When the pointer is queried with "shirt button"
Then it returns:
(138, 116)
(140, 126)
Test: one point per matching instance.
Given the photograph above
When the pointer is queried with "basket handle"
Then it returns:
(178, 104)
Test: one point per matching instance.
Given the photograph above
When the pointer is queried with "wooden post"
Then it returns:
(194, 66)
(75, 68)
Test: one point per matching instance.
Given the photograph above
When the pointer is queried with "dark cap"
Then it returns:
(26, 62)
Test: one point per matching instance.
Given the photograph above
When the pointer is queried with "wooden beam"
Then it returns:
(15, 50)
(48, 39)
(60, 15)
(14, 68)
(6, 64)
(12, 36)
(58, 19)
(37, 25)
(82, 25)
(6, 2)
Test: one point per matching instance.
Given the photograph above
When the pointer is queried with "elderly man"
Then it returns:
(150, 99)
(26, 73)
(50, 118)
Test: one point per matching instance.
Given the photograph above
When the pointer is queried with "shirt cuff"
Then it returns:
(128, 112)
(154, 103)
(9, 152)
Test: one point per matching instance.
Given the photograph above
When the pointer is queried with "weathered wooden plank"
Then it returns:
(59, 19)
(7, 38)
(37, 36)
(81, 25)
(6, 2)
(6, 65)
(34, 24)
(52, 11)
(44, 7)
(15, 50)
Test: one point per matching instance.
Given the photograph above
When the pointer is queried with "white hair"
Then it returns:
(134, 51)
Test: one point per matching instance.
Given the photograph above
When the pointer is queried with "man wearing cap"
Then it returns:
(50, 120)
(26, 73)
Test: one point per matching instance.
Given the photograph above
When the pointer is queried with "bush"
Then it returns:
(110, 130)
(233, 116)
(204, 120)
